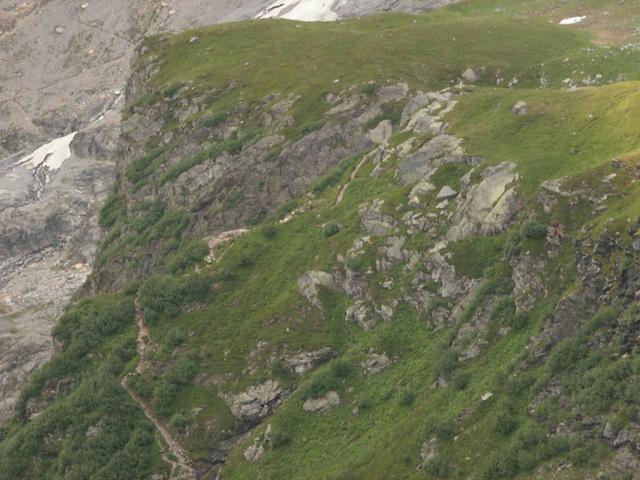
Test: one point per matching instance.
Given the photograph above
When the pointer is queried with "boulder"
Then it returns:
(489, 206)
(520, 108)
(470, 75)
(359, 313)
(322, 404)
(375, 363)
(306, 361)
(257, 402)
(254, 453)
(420, 121)
(308, 285)
(447, 193)
(381, 133)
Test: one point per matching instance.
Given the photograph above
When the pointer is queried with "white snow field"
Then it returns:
(303, 10)
(51, 155)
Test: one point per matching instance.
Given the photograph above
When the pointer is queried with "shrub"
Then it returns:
(406, 398)
(279, 439)
(164, 393)
(180, 421)
(246, 261)
(530, 436)
(461, 380)
(504, 308)
(196, 287)
(443, 429)
(567, 354)
(518, 321)
(341, 369)
(171, 90)
(331, 229)
(505, 424)
(214, 120)
(160, 297)
(512, 245)
(447, 362)
(142, 386)
(192, 253)
(310, 127)
(270, 232)
(368, 89)
(439, 466)
(175, 338)
(534, 230)
(114, 209)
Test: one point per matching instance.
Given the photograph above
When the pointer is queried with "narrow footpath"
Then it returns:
(172, 451)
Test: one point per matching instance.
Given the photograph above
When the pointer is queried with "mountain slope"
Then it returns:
(391, 247)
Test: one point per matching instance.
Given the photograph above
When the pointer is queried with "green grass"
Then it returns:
(208, 325)
(589, 127)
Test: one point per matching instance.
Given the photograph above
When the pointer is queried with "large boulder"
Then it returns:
(322, 404)
(257, 402)
(489, 206)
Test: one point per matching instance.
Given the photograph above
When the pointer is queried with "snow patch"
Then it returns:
(303, 10)
(572, 20)
(52, 155)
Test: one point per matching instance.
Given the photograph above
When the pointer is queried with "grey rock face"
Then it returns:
(257, 402)
(254, 453)
(374, 221)
(308, 285)
(527, 281)
(304, 362)
(375, 363)
(439, 151)
(322, 404)
(489, 206)
(48, 237)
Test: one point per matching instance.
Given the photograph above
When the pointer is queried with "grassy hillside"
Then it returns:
(547, 378)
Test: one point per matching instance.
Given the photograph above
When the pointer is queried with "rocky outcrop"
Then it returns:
(304, 362)
(441, 150)
(489, 206)
(322, 404)
(374, 221)
(257, 402)
(375, 363)
(48, 237)
(308, 286)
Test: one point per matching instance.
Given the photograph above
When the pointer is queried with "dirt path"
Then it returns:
(173, 453)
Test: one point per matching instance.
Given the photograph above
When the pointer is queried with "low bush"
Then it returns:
(443, 429)
(505, 424)
(406, 398)
(533, 230)
(439, 466)
(460, 380)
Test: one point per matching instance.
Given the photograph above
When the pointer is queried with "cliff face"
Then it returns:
(65, 66)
